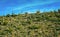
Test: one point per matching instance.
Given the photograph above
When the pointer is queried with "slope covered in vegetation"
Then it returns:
(37, 24)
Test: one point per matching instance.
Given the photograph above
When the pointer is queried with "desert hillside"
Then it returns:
(46, 24)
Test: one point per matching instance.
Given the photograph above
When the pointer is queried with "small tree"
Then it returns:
(37, 12)
(8, 15)
(13, 15)
(59, 10)
(26, 14)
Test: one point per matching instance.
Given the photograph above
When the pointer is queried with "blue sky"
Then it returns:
(18, 6)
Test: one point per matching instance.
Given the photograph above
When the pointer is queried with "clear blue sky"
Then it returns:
(17, 6)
